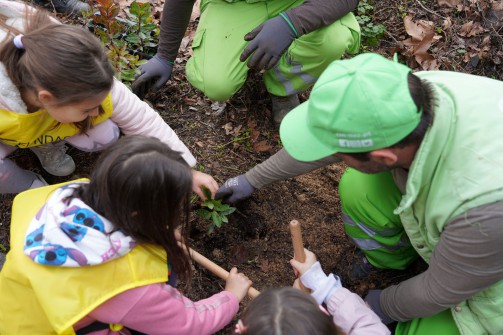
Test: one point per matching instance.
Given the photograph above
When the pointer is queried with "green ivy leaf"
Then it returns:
(203, 213)
(206, 192)
(228, 211)
(217, 219)
(208, 204)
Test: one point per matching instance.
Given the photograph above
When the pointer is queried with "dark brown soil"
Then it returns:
(257, 239)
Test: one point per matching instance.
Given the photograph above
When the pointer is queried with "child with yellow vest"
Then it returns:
(57, 87)
(92, 256)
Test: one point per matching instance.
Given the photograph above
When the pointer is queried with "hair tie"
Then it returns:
(240, 327)
(18, 42)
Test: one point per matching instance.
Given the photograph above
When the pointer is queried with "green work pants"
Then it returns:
(368, 201)
(441, 323)
(215, 67)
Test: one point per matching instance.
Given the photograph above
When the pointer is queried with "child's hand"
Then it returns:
(237, 283)
(303, 267)
(297, 284)
(202, 179)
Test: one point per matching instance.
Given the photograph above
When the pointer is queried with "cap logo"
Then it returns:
(355, 143)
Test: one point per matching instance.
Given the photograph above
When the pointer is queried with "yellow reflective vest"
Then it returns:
(38, 128)
(40, 299)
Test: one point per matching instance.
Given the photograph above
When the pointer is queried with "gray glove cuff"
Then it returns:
(373, 299)
(163, 61)
(323, 286)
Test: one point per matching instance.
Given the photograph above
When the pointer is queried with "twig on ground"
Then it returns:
(429, 10)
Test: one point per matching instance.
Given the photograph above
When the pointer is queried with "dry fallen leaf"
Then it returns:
(228, 128)
(449, 3)
(423, 36)
(261, 146)
(254, 134)
(417, 30)
(195, 11)
(471, 29)
(186, 40)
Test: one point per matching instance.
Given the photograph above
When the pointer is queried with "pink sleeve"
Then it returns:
(162, 309)
(135, 117)
(352, 315)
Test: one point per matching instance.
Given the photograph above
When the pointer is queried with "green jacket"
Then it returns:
(459, 166)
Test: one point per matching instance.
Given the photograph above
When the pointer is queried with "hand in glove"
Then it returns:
(154, 74)
(373, 299)
(268, 42)
(235, 190)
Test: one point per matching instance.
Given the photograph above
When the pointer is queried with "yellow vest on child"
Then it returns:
(38, 128)
(40, 299)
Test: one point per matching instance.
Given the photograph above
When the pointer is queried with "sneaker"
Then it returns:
(65, 6)
(54, 159)
(282, 106)
(361, 267)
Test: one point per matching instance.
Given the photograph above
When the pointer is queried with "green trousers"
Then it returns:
(215, 67)
(368, 201)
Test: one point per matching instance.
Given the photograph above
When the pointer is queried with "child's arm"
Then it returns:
(161, 309)
(135, 117)
(349, 312)
(352, 315)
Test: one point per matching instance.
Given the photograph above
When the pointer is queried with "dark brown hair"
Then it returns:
(423, 95)
(286, 311)
(68, 61)
(143, 187)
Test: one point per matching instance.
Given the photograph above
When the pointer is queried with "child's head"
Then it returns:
(66, 61)
(286, 311)
(143, 187)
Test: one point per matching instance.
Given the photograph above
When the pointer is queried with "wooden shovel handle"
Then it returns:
(298, 245)
(214, 268)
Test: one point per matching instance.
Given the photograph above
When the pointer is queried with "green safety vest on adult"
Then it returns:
(458, 167)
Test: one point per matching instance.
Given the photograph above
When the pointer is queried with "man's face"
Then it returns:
(370, 166)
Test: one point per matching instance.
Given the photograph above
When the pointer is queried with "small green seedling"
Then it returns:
(214, 210)
(129, 42)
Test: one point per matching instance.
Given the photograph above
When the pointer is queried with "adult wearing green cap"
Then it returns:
(424, 156)
(293, 41)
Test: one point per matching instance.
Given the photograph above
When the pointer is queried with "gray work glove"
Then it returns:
(154, 74)
(373, 299)
(235, 190)
(268, 42)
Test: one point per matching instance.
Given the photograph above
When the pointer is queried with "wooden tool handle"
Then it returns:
(215, 269)
(298, 245)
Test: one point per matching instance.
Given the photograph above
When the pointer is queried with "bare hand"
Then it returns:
(303, 267)
(237, 283)
(202, 179)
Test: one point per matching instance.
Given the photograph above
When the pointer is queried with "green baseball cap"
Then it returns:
(357, 105)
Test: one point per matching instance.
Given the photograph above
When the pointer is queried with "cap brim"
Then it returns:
(297, 137)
